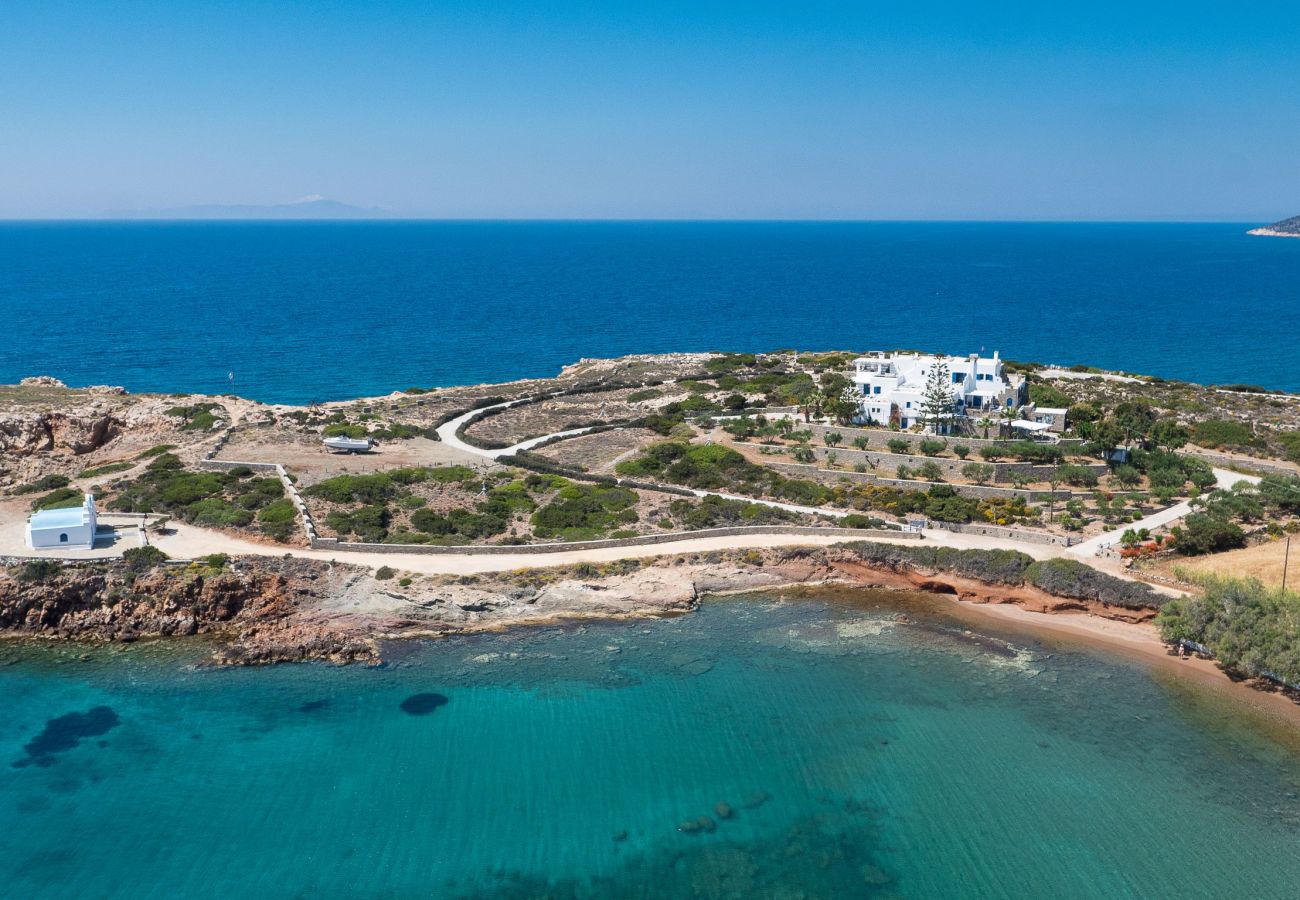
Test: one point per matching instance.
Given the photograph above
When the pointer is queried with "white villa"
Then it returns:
(63, 528)
(892, 386)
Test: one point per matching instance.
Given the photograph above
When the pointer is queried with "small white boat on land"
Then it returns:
(349, 445)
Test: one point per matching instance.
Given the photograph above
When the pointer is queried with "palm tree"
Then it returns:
(986, 423)
(1007, 415)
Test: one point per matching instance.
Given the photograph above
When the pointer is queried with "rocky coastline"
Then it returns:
(261, 610)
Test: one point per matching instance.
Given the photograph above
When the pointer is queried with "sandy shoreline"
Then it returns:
(1139, 641)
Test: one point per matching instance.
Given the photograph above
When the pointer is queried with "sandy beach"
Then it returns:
(1139, 641)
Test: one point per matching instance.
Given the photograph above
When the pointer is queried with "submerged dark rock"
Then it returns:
(422, 704)
(312, 706)
(63, 733)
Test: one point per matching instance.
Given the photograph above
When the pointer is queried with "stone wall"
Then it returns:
(878, 436)
(639, 541)
(832, 476)
(951, 468)
(1262, 466)
(1014, 534)
(291, 489)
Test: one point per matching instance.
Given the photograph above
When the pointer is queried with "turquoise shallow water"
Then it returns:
(861, 758)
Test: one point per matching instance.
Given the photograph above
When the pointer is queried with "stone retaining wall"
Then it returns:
(831, 476)
(878, 436)
(950, 467)
(1014, 534)
(304, 514)
(1263, 467)
(639, 541)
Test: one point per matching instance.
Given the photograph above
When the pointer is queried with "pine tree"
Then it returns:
(937, 403)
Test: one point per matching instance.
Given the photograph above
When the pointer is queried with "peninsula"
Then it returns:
(1285, 228)
(632, 487)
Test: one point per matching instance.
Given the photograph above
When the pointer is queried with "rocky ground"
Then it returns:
(263, 610)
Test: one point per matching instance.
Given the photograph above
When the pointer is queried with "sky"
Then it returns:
(659, 109)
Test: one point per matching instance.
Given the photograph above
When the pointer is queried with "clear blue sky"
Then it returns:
(656, 109)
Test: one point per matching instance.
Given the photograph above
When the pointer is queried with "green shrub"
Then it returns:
(1072, 578)
(383, 573)
(1078, 476)
(343, 429)
(931, 446)
(277, 519)
(1060, 577)
(579, 511)
(898, 445)
(142, 559)
(980, 473)
(197, 417)
(106, 469)
(37, 570)
(45, 483)
(214, 561)
(857, 520)
(1251, 629)
(61, 498)
(1214, 433)
(1042, 394)
(929, 471)
(719, 512)
(217, 513)
(1203, 532)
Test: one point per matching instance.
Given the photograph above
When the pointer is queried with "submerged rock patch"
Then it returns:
(63, 733)
(422, 704)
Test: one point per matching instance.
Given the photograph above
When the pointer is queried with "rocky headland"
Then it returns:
(1285, 228)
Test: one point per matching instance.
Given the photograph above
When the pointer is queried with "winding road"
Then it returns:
(189, 541)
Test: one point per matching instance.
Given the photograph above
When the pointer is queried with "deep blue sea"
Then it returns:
(856, 757)
(326, 310)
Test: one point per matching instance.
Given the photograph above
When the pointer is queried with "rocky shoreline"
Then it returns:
(261, 610)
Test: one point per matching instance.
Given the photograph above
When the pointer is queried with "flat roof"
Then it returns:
(59, 518)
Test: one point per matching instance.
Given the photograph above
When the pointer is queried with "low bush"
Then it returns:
(60, 498)
(229, 499)
(277, 519)
(44, 483)
(583, 511)
(1059, 577)
(142, 559)
(197, 417)
(37, 570)
(1251, 629)
(1228, 433)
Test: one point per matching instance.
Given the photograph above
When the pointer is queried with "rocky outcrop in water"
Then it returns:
(255, 612)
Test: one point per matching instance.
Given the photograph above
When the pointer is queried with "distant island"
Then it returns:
(1286, 228)
(313, 207)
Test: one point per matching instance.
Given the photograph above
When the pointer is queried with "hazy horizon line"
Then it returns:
(848, 220)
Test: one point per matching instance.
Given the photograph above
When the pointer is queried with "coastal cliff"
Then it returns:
(1285, 228)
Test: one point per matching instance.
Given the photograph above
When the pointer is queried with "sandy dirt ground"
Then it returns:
(1263, 561)
(311, 462)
